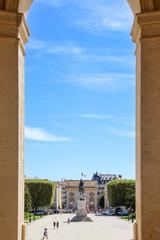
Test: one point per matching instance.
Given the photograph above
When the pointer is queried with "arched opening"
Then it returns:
(13, 35)
(89, 74)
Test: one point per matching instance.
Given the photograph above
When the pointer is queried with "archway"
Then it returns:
(13, 36)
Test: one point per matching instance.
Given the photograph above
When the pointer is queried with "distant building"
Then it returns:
(70, 194)
(66, 196)
(102, 180)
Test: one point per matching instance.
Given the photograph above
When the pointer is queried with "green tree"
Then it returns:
(42, 193)
(101, 201)
(27, 200)
(130, 199)
(121, 193)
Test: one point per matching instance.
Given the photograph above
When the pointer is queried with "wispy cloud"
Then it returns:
(55, 3)
(119, 126)
(123, 133)
(47, 47)
(82, 58)
(94, 116)
(80, 54)
(106, 15)
(88, 56)
(102, 116)
(97, 15)
(104, 81)
(35, 44)
(38, 134)
(65, 49)
(94, 57)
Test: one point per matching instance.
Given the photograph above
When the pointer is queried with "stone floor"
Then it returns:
(102, 228)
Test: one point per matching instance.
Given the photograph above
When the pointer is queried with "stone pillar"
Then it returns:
(106, 200)
(95, 197)
(146, 35)
(13, 35)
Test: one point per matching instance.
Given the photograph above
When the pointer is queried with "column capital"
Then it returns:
(19, 6)
(14, 26)
(146, 18)
(13, 20)
(143, 6)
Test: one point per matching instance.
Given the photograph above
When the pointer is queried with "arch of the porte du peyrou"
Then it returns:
(13, 36)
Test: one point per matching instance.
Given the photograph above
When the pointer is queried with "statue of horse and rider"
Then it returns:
(81, 187)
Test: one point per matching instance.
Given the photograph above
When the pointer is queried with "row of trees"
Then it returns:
(38, 193)
(121, 193)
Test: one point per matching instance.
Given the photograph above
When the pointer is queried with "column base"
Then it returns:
(135, 231)
(24, 231)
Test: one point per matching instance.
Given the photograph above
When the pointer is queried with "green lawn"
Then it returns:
(28, 217)
(124, 217)
(130, 217)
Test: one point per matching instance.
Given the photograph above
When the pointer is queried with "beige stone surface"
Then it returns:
(102, 228)
(146, 34)
(13, 35)
(141, 6)
(148, 162)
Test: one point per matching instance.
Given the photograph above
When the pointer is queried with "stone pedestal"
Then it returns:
(81, 212)
(135, 231)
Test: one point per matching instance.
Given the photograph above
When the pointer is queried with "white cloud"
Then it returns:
(79, 53)
(104, 81)
(102, 116)
(97, 15)
(94, 116)
(35, 44)
(55, 3)
(110, 81)
(128, 61)
(38, 134)
(65, 49)
(127, 134)
(117, 24)
(47, 47)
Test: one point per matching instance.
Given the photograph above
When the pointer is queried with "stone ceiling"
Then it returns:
(142, 6)
(15, 5)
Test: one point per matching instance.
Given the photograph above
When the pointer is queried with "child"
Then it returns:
(45, 233)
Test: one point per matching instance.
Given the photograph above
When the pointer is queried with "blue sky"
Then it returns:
(79, 89)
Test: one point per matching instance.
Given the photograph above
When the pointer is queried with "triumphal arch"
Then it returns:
(13, 36)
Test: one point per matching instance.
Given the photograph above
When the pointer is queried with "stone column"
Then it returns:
(13, 35)
(146, 35)
(106, 200)
(95, 192)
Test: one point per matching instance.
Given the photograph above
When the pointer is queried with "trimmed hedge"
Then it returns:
(27, 196)
(121, 193)
(41, 192)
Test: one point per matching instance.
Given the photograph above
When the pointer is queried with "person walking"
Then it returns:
(54, 224)
(45, 233)
(68, 221)
(57, 224)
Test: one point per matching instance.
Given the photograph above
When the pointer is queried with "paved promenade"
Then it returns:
(103, 228)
